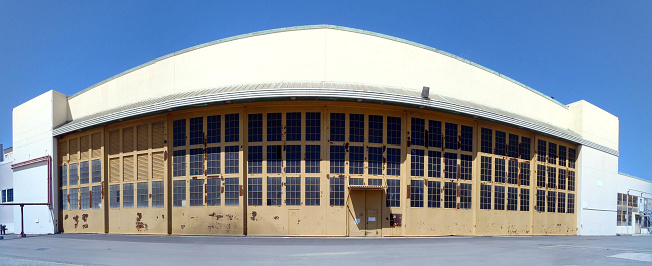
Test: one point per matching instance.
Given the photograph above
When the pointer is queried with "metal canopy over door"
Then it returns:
(365, 211)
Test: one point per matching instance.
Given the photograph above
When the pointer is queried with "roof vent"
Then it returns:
(425, 93)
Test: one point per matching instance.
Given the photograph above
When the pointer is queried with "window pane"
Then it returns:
(97, 170)
(74, 202)
(293, 191)
(213, 194)
(74, 178)
(434, 134)
(562, 155)
(293, 121)
(85, 198)
(541, 151)
(375, 129)
(179, 195)
(393, 193)
(552, 179)
(356, 160)
(512, 172)
(500, 143)
(486, 137)
(450, 165)
(393, 162)
(83, 173)
(541, 200)
(499, 198)
(466, 167)
(417, 137)
(552, 199)
(274, 191)
(255, 160)
(356, 128)
(466, 138)
(96, 197)
(356, 181)
(127, 195)
(63, 199)
(561, 202)
(232, 128)
(512, 148)
(552, 153)
(293, 158)
(485, 168)
(63, 175)
(313, 126)
(485, 197)
(525, 148)
(179, 163)
(375, 160)
(158, 198)
(213, 161)
(196, 130)
(466, 193)
(274, 126)
(434, 194)
(179, 133)
(231, 191)
(255, 192)
(313, 158)
(255, 128)
(143, 195)
(214, 129)
(450, 195)
(525, 199)
(562, 179)
(416, 164)
(274, 158)
(525, 174)
(416, 193)
(232, 161)
(196, 192)
(375, 182)
(337, 159)
(393, 130)
(512, 197)
(312, 191)
(196, 161)
(451, 136)
(337, 191)
(499, 176)
(337, 127)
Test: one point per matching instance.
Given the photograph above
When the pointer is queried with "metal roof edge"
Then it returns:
(318, 26)
(635, 177)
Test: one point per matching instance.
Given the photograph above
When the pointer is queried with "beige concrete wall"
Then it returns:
(594, 124)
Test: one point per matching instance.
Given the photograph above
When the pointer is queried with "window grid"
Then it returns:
(293, 191)
(450, 165)
(196, 162)
(417, 137)
(312, 191)
(552, 153)
(416, 193)
(114, 196)
(232, 160)
(74, 178)
(552, 179)
(561, 202)
(571, 158)
(451, 136)
(63, 175)
(313, 158)
(96, 197)
(393, 162)
(571, 180)
(179, 133)
(512, 198)
(255, 192)
(524, 177)
(571, 203)
(213, 160)
(158, 197)
(356, 181)
(142, 194)
(466, 138)
(434, 164)
(375, 182)
(274, 159)
(466, 197)
(500, 143)
(128, 195)
(541, 201)
(552, 196)
(274, 126)
(255, 128)
(231, 191)
(450, 195)
(416, 162)
(375, 129)
(232, 128)
(393, 130)
(337, 127)
(562, 155)
(562, 179)
(525, 148)
(213, 129)
(274, 191)
(499, 176)
(196, 192)
(393, 193)
(541, 150)
(485, 168)
(63, 199)
(434, 134)
(486, 137)
(541, 175)
(485, 197)
(196, 130)
(525, 199)
(356, 160)
(83, 173)
(179, 163)
(337, 191)
(96, 171)
(313, 126)
(466, 167)
(293, 126)
(85, 196)
(499, 198)
(213, 195)
(512, 172)
(512, 148)
(179, 193)
(375, 159)
(434, 194)
(74, 201)
(293, 158)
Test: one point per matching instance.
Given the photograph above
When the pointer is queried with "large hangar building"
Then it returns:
(319, 131)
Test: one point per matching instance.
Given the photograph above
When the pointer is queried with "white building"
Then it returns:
(6, 188)
(342, 70)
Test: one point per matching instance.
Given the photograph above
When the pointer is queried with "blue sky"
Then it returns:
(599, 51)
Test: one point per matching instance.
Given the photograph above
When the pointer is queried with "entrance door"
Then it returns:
(638, 224)
(364, 213)
(293, 222)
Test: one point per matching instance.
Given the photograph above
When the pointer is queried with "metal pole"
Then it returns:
(22, 223)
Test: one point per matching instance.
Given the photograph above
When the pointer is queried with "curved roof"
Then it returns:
(321, 26)
(328, 91)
